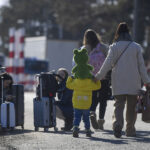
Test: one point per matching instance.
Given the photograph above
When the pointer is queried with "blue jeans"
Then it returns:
(78, 113)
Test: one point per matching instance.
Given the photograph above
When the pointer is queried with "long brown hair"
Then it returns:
(91, 38)
(122, 31)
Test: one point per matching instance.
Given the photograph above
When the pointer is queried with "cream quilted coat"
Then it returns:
(129, 71)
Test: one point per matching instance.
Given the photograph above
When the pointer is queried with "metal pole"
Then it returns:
(135, 21)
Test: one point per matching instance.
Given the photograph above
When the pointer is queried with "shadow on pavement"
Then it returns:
(14, 132)
(112, 141)
(141, 137)
(110, 132)
(63, 132)
(58, 132)
(143, 133)
(107, 132)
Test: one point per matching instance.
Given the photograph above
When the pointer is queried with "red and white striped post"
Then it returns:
(10, 64)
(15, 65)
(20, 70)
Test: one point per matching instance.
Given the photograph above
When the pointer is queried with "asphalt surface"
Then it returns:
(51, 140)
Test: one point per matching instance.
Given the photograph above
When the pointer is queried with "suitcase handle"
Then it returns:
(40, 84)
(40, 81)
(2, 83)
(57, 75)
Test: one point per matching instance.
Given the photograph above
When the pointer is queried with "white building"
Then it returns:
(59, 53)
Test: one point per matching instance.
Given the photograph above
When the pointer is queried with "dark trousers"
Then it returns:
(100, 97)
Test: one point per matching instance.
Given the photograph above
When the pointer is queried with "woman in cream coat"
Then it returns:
(127, 73)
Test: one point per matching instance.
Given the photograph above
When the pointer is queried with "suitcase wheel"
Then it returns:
(45, 129)
(3, 129)
(36, 129)
(12, 128)
(22, 127)
(55, 129)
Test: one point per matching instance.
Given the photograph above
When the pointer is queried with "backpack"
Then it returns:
(96, 58)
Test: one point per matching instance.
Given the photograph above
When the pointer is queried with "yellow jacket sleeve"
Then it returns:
(70, 83)
(95, 85)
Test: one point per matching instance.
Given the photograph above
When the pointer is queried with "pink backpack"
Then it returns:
(96, 58)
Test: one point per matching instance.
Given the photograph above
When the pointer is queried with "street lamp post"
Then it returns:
(135, 21)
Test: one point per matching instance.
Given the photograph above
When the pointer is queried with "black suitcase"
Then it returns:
(18, 93)
(49, 85)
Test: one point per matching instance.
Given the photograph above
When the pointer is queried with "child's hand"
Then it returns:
(9, 97)
(59, 78)
(94, 79)
(72, 77)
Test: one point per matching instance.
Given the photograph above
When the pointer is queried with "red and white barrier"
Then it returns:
(19, 55)
(15, 64)
(30, 82)
(10, 63)
(15, 61)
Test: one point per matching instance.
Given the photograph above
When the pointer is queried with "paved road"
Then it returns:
(101, 140)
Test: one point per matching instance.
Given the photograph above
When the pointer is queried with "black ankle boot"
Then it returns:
(88, 132)
(68, 124)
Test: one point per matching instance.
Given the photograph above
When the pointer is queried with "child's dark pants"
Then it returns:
(78, 113)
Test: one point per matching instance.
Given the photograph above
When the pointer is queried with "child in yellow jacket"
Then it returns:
(82, 86)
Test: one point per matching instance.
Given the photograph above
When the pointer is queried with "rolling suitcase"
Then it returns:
(18, 93)
(7, 115)
(41, 113)
(44, 109)
(52, 112)
(7, 112)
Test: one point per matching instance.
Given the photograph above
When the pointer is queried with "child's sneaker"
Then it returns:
(75, 131)
(88, 132)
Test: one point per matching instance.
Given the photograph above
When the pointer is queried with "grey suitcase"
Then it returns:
(41, 113)
(44, 111)
(7, 115)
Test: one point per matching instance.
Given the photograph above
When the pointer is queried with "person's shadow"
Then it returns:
(141, 136)
(14, 132)
(113, 141)
(110, 140)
